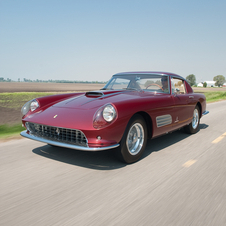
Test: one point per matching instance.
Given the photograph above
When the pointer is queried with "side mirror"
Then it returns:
(176, 91)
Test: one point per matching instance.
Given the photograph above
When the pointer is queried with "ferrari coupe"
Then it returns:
(129, 109)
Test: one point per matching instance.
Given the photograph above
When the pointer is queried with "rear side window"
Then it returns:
(178, 86)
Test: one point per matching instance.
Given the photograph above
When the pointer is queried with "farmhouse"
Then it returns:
(210, 83)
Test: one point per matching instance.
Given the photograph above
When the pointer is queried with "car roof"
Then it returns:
(159, 73)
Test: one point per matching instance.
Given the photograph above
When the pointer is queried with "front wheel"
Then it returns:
(194, 125)
(134, 140)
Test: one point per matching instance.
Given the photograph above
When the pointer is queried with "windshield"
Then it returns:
(149, 83)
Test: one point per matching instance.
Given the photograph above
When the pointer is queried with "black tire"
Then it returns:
(193, 127)
(54, 146)
(132, 144)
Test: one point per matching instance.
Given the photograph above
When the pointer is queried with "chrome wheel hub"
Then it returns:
(135, 139)
(195, 119)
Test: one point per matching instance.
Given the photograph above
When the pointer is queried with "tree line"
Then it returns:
(219, 80)
(50, 81)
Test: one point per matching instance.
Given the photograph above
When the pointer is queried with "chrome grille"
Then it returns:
(58, 134)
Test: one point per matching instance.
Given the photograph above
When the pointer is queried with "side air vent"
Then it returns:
(94, 94)
(163, 120)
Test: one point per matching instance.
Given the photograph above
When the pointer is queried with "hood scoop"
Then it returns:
(94, 94)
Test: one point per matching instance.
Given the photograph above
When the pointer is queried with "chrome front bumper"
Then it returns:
(65, 145)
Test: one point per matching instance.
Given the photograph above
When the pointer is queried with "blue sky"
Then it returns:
(91, 40)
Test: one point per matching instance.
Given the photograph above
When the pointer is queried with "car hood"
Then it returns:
(96, 99)
(77, 112)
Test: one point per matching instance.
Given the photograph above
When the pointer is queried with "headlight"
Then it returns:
(109, 113)
(104, 116)
(25, 109)
(30, 105)
(34, 105)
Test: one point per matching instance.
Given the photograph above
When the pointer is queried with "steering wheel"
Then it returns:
(154, 84)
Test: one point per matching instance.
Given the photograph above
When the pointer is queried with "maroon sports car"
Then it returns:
(131, 108)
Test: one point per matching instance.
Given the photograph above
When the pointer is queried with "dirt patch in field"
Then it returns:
(9, 116)
(8, 87)
(207, 89)
(13, 115)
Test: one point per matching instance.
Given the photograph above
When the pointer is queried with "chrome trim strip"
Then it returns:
(25, 134)
(205, 113)
(163, 120)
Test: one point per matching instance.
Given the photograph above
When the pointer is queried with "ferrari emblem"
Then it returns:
(58, 131)
(54, 116)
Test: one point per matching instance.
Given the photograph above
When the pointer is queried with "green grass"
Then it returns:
(10, 130)
(17, 100)
(215, 96)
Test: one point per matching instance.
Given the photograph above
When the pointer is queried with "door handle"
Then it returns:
(191, 97)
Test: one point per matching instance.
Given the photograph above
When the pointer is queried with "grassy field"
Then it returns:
(215, 96)
(10, 120)
(13, 103)
(212, 94)
(17, 100)
(7, 131)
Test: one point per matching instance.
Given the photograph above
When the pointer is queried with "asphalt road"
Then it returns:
(181, 180)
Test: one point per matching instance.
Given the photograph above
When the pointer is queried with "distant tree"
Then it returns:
(191, 79)
(220, 80)
(204, 84)
(2, 79)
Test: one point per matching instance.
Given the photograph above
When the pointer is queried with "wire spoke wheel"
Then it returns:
(135, 139)
(195, 120)
(193, 127)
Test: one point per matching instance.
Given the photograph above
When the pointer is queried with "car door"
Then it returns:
(160, 105)
(183, 103)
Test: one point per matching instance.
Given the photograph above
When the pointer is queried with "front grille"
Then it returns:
(63, 135)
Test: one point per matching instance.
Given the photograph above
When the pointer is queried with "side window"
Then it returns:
(178, 86)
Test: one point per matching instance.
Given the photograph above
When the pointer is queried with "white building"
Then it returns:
(200, 84)
(210, 83)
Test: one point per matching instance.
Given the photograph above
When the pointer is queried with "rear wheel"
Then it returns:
(194, 125)
(134, 140)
